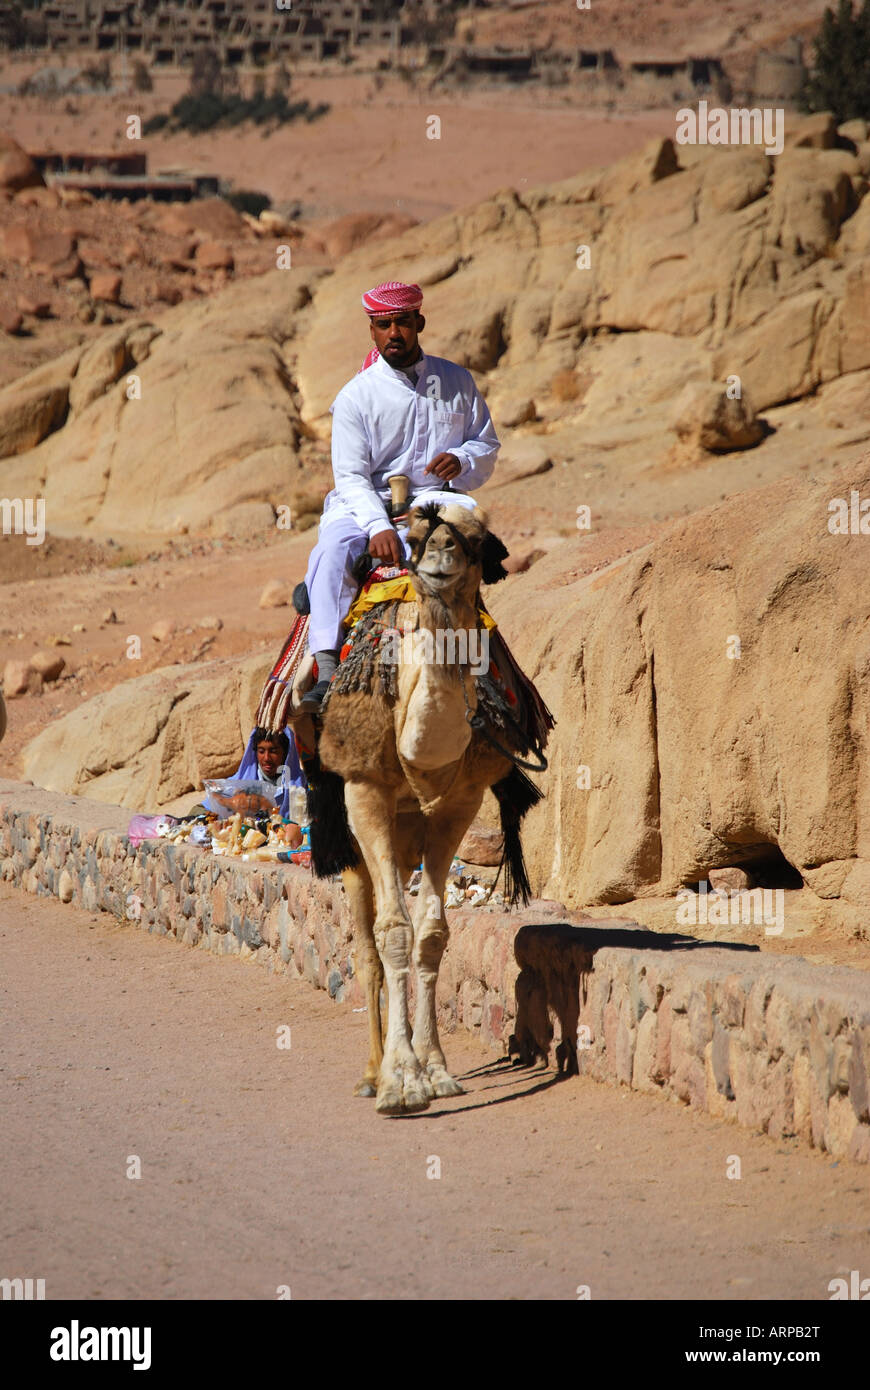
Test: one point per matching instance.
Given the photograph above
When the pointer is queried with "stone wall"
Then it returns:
(278, 915)
(773, 1043)
(767, 1041)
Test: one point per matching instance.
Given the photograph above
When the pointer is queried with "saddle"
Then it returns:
(508, 699)
(510, 714)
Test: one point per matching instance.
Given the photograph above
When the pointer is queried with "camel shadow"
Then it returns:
(556, 960)
(500, 1067)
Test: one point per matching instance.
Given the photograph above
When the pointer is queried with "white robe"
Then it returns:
(383, 423)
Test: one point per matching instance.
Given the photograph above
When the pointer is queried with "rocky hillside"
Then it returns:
(661, 29)
(712, 692)
(710, 356)
(607, 317)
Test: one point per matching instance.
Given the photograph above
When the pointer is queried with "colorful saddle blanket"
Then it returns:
(506, 696)
(387, 581)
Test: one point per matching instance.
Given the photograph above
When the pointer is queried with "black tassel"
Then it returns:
(516, 794)
(331, 844)
(301, 601)
(492, 553)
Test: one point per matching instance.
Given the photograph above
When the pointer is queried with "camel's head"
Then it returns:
(453, 551)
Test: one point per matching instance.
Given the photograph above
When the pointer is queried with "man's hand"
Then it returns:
(384, 545)
(444, 466)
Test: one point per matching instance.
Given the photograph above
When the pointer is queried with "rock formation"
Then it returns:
(713, 695)
(583, 306)
(153, 738)
(710, 684)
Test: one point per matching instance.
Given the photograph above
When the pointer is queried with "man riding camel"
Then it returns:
(403, 413)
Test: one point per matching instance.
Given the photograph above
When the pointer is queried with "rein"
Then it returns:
(478, 723)
(419, 547)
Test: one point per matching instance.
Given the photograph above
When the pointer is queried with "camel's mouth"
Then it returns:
(439, 579)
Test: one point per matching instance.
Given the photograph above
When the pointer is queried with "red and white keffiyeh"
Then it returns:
(388, 298)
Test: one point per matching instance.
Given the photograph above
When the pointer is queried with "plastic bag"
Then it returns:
(245, 794)
(149, 828)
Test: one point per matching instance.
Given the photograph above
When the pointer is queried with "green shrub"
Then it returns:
(246, 200)
(839, 80)
(201, 111)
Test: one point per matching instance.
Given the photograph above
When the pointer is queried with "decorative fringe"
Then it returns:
(275, 700)
(532, 713)
(331, 845)
(357, 670)
(515, 795)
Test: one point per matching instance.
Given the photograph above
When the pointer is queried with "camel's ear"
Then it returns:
(493, 551)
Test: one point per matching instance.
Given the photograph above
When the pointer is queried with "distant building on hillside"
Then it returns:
(242, 31)
(417, 35)
(779, 75)
(121, 174)
(501, 64)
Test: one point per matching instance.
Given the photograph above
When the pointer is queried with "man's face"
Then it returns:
(395, 336)
(269, 757)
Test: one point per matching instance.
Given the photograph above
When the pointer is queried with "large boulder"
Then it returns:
(709, 690)
(174, 421)
(357, 228)
(213, 217)
(812, 197)
(46, 252)
(719, 421)
(34, 406)
(154, 737)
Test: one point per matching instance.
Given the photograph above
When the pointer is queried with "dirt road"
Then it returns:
(259, 1168)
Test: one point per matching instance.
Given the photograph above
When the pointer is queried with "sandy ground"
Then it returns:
(260, 1169)
(369, 153)
(186, 582)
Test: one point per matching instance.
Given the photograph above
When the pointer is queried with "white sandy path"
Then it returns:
(259, 1168)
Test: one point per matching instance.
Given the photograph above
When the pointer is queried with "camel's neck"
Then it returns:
(459, 615)
(436, 688)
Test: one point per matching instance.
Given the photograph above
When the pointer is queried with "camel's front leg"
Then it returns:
(403, 1085)
(358, 886)
(444, 831)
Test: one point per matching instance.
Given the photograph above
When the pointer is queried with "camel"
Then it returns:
(409, 771)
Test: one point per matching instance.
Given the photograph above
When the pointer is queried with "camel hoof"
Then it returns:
(365, 1088)
(443, 1083)
(404, 1092)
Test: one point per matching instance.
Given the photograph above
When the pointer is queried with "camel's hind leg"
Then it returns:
(445, 828)
(403, 1085)
(358, 886)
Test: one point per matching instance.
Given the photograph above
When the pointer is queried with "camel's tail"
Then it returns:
(332, 848)
(515, 795)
